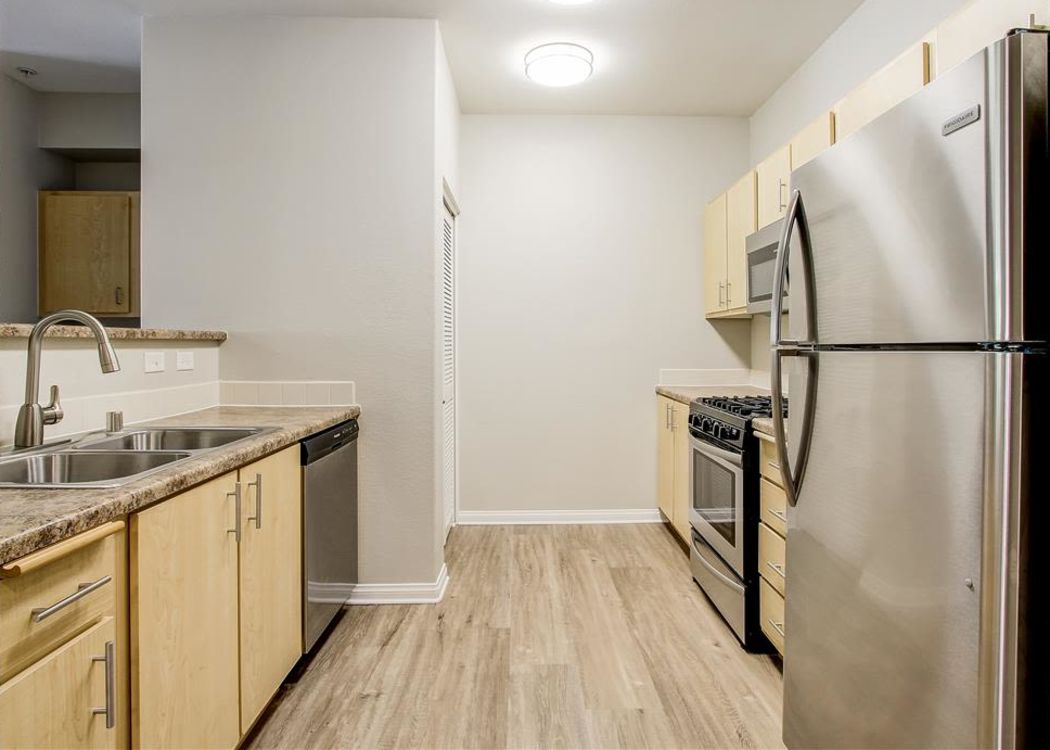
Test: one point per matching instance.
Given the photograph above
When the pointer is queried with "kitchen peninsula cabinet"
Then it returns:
(216, 619)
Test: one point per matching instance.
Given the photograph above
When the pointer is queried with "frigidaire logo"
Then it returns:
(961, 120)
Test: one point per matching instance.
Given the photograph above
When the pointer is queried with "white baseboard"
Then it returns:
(384, 593)
(544, 517)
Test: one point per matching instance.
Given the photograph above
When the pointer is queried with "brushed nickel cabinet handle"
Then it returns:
(729, 294)
(110, 709)
(721, 293)
(780, 194)
(778, 569)
(236, 494)
(42, 613)
(118, 295)
(773, 465)
(258, 500)
(777, 626)
(779, 514)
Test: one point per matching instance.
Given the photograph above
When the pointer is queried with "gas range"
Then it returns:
(726, 420)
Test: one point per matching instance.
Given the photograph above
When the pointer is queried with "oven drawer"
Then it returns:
(771, 553)
(769, 462)
(719, 582)
(771, 611)
(774, 506)
(54, 594)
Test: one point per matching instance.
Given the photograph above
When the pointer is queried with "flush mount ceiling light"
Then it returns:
(570, 2)
(559, 64)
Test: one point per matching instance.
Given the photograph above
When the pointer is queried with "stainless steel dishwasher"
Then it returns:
(329, 461)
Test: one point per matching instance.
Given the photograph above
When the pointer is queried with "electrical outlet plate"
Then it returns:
(154, 361)
(184, 361)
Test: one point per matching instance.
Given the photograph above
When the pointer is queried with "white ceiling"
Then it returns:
(716, 57)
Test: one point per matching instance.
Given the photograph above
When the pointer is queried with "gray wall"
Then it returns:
(102, 121)
(294, 205)
(24, 169)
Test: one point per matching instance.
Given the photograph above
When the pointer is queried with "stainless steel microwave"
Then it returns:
(761, 263)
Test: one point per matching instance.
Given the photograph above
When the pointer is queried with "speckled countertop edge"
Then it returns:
(31, 519)
(22, 331)
(686, 393)
(763, 425)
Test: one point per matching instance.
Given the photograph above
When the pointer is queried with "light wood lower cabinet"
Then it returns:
(665, 457)
(59, 608)
(270, 579)
(216, 605)
(673, 459)
(184, 620)
(771, 609)
(53, 703)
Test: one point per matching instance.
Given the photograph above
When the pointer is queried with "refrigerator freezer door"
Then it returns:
(883, 549)
(916, 220)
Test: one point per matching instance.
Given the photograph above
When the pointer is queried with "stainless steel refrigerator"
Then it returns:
(916, 362)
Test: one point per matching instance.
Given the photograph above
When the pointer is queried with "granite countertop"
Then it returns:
(34, 518)
(687, 393)
(22, 330)
(763, 425)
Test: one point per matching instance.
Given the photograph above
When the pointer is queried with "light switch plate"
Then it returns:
(154, 361)
(184, 361)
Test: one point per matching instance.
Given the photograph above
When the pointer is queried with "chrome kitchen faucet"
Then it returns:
(29, 429)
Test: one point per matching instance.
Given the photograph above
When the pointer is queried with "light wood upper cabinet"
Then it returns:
(89, 252)
(665, 457)
(270, 578)
(889, 87)
(51, 704)
(813, 139)
(741, 222)
(682, 459)
(773, 174)
(184, 620)
(981, 23)
(715, 219)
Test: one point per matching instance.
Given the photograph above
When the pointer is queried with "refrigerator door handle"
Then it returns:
(793, 475)
(796, 216)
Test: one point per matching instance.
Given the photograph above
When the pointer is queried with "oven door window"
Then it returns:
(714, 495)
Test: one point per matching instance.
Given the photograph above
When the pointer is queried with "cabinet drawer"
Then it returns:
(771, 611)
(769, 462)
(771, 549)
(45, 606)
(774, 507)
(68, 699)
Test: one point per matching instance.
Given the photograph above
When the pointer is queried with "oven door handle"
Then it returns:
(719, 455)
(711, 568)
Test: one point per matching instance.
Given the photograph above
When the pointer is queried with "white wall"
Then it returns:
(580, 277)
(24, 169)
(446, 172)
(105, 121)
(293, 205)
(871, 37)
(88, 393)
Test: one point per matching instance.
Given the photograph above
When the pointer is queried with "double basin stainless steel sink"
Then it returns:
(112, 460)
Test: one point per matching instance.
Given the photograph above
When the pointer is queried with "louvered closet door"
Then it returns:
(448, 369)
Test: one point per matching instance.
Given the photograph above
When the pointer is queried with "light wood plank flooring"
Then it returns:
(548, 636)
